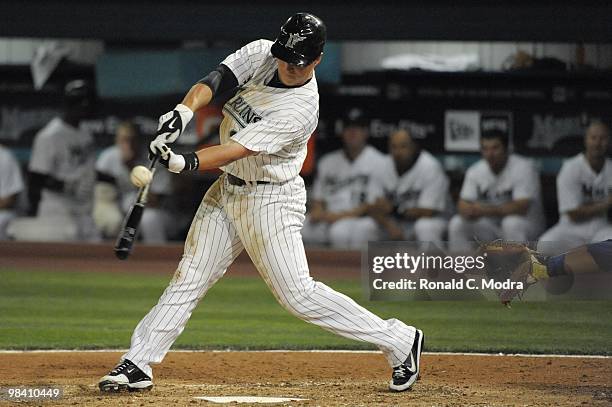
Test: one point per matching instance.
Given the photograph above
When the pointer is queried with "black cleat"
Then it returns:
(125, 376)
(407, 373)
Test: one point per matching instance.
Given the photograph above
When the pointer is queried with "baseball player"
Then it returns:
(62, 170)
(347, 183)
(257, 204)
(584, 193)
(416, 198)
(114, 192)
(11, 185)
(500, 197)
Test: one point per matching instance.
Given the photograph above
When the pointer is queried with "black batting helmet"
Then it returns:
(301, 39)
(79, 93)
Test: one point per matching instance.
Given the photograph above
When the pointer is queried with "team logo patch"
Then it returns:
(294, 39)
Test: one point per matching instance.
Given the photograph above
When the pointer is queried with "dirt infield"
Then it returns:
(326, 379)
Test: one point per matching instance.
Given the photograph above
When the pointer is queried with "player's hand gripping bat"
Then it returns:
(129, 228)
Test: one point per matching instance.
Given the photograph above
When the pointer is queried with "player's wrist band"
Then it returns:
(192, 163)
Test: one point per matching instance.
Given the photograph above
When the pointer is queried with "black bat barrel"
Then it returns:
(125, 240)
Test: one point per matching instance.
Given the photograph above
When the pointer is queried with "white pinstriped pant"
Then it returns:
(266, 221)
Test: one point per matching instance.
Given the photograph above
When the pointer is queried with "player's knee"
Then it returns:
(5, 218)
(604, 234)
(548, 237)
(298, 299)
(366, 230)
(153, 227)
(429, 229)
(340, 234)
(296, 302)
(185, 281)
(515, 227)
(457, 226)
(314, 233)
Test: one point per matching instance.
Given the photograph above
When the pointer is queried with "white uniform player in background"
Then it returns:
(62, 173)
(347, 182)
(115, 193)
(258, 205)
(416, 202)
(584, 194)
(500, 198)
(11, 185)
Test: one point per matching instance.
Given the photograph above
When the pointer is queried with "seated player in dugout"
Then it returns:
(62, 174)
(584, 195)
(347, 181)
(416, 202)
(11, 185)
(258, 205)
(114, 193)
(500, 197)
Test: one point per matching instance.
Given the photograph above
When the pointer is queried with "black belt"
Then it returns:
(239, 182)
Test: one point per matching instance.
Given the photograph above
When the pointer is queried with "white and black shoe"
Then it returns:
(125, 376)
(407, 373)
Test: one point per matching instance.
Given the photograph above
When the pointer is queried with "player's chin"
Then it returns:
(295, 80)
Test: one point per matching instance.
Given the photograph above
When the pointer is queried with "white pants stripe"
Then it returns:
(266, 221)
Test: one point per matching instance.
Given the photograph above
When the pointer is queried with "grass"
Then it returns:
(69, 310)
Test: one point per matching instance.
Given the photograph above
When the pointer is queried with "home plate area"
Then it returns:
(248, 399)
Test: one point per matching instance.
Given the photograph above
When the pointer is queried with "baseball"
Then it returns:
(141, 176)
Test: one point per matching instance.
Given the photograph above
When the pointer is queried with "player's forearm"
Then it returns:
(416, 213)
(586, 212)
(220, 155)
(317, 211)
(385, 221)
(38, 181)
(198, 96)
(465, 208)
(357, 211)
(518, 207)
(394, 231)
(8, 202)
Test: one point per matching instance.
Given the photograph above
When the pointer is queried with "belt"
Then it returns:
(234, 180)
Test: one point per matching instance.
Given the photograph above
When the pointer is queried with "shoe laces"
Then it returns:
(400, 372)
(120, 367)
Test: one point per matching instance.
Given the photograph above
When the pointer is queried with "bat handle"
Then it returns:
(153, 161)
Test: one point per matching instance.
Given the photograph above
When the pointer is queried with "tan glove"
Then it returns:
(513, 262)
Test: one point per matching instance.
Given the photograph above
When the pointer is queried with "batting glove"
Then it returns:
(176, 163)
(171, 125)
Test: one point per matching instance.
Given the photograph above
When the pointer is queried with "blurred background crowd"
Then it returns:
(418, 140)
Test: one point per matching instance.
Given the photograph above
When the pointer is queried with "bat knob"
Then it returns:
(122, 254)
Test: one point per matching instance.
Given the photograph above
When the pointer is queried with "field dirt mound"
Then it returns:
(326, 379)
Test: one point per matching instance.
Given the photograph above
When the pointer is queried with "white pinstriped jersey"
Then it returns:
(578, 184)
(425, 185)
(518, 180)
(343, 184)
(274, 122)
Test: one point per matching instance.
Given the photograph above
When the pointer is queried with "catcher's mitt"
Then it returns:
(514, 263)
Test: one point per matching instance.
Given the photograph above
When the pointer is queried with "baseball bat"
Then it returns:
(129, 228)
